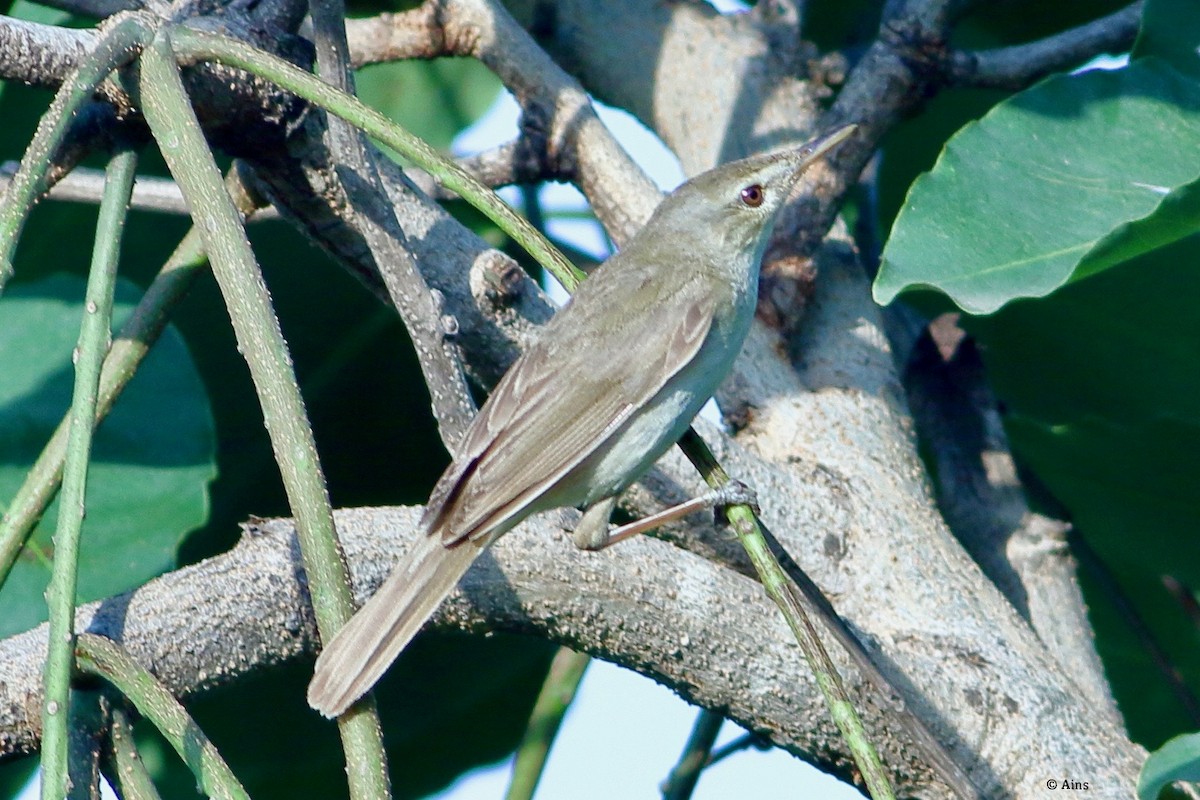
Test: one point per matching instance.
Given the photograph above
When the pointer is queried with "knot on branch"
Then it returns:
(924, 52)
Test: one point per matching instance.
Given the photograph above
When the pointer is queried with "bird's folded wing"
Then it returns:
(539, 424)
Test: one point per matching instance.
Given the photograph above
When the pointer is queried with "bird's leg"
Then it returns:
(592, 531)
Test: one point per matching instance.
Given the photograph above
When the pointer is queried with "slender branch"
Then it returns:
(1018, 66)
(558, 692)
(558, 119)
(509, 164)
(360, 729)
(93, 342)
(123, 765)
(743, 742)
(115, 48)
(680, 784)
(784, 592)
(86, 185)
(375, 218)
(259, 338)
(198, 46)
(103, 658)
(89, 728)
(1015, 67)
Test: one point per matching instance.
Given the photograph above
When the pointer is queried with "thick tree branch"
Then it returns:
(40, 55)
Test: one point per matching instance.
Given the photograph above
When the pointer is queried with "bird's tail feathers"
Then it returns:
(359, 654)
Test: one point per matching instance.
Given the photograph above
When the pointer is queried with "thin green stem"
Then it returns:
(680, 784)
(787, 596)
(558, 691)
(137, 336)
(200, 46)
(123, 765)
(118, 46)
(102, 657)
(176, 129)
(362, 735)
(93, 343)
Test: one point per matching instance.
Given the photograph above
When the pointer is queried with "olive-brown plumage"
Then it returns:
(611, 383)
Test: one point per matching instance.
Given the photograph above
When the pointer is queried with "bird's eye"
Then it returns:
(753, 195)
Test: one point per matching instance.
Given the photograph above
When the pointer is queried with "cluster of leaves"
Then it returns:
(1064, 224)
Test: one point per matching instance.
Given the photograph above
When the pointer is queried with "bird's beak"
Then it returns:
(818, 147)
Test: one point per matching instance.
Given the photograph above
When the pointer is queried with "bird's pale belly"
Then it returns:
(637, 444)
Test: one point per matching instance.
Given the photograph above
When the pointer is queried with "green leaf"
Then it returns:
(1064, 180)
(1171, 31)
(1177, 760)
(1130, 489)
(1103, 398)
(1123, 482)
(1121, 345)
(152, 458)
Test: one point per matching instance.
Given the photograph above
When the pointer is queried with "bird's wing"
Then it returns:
(539, 423)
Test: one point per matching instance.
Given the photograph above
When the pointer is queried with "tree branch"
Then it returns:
(1021, 65)
(1024, 554)
(557, 114)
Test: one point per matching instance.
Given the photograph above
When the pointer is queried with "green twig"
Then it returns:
(558, 691)
(123, 765)
(176, 129)
(200, 46)
(118, 46)
(93, 343)
(102, 657)
(137, 336)
(787, 596)
(680, 784)
(362, 735)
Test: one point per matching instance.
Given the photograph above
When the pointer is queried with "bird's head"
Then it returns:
(734, 206)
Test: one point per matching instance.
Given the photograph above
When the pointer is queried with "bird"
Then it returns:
(612, 381)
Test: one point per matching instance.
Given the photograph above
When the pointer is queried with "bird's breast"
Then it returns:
(634, 447)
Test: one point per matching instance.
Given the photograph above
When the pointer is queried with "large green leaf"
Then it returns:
(1177, 760)
(1103, 394)
(1061, 181)
(1124, 482)
(1171, 30)
(152, 458)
